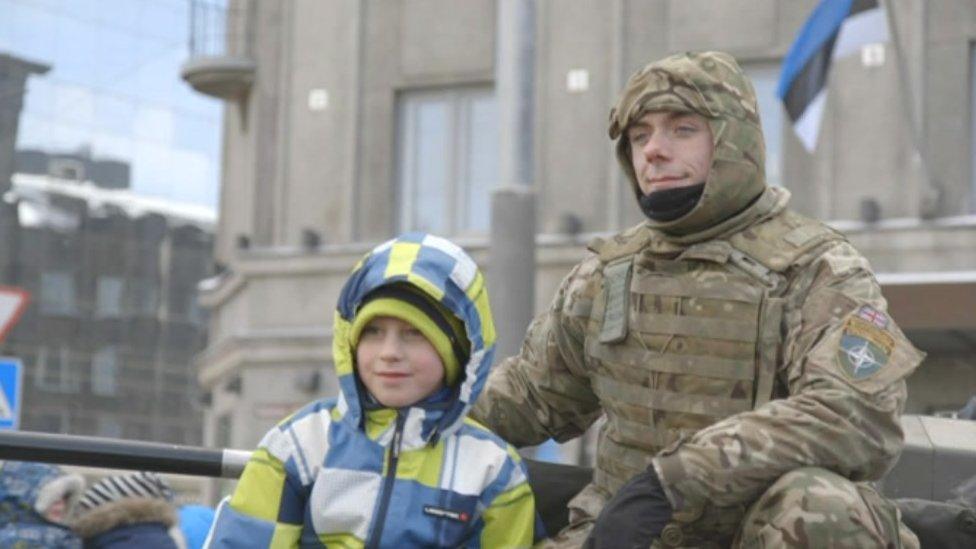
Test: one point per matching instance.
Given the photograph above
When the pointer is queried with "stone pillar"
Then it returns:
(511, 271)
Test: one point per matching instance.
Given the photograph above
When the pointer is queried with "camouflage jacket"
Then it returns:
(736, 360)
(725, 347)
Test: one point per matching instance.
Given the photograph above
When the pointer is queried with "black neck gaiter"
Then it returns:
(670, 204)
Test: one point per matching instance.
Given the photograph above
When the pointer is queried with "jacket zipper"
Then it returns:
(388, 481)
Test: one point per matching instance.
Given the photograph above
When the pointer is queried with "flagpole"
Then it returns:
(931, 193)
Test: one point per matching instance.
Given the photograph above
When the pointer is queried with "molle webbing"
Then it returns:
(653, 440)
(643, 325)
(770, 321)
(670, 401)
(616, 287)
(733, 330)
(672, 287)
(706, 366)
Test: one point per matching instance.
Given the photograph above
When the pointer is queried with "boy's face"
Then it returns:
(397, 363)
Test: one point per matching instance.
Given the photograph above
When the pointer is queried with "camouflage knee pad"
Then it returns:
(813, 507)
(808, 507)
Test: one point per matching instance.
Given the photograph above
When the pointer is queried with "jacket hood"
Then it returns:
(124, 512)
(444, 272)
(712, 85)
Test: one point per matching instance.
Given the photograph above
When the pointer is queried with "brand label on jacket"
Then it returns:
(440, 512)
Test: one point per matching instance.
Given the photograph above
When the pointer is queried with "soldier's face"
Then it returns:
(670, 150)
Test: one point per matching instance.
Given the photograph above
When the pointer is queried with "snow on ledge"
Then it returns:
(943, 277)
(33, 188)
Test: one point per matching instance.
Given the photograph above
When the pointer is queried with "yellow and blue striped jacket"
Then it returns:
(335, 474)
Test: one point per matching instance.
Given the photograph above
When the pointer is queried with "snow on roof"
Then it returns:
(35, 191)
(934, 277)
(902, 223)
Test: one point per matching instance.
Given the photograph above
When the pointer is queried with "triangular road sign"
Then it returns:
(13, 301)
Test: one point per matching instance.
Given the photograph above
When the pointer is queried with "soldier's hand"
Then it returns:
(634, 517)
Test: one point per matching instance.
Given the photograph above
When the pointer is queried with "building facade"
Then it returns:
(348, 121)
(109, 337)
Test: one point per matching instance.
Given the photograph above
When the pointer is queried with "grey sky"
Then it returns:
(114, 85)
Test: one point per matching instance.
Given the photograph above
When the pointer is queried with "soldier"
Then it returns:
(742, 354)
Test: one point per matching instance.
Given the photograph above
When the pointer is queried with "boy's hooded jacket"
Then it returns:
(342, 472)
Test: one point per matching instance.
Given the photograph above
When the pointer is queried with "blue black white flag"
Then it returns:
(836, 28)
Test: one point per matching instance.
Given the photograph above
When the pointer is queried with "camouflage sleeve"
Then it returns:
(544, 391)
(844, 362)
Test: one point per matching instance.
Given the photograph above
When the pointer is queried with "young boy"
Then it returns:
(393, 461)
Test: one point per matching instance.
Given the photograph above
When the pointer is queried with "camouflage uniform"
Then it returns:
(743, 350)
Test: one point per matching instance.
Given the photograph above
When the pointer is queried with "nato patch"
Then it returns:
(864, 347)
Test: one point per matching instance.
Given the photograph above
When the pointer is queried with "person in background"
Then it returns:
(195, 522)
(36, 500)
(129, 510)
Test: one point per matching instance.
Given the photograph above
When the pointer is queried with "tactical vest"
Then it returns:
(676, 344)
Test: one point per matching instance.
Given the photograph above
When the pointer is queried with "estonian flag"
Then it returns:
(835, 29)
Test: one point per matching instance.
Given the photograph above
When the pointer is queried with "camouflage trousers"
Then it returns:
(809, 507)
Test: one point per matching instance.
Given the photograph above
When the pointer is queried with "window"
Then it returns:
(195, 313)
(175, 434)
(765, 77)
(105, 371)
(222, 432)
(108, 426)
(138, 430)
(53, 422)
(57, 293)
(447, 159)
(108, 296)
(67, 168)
(144, 295)
(55, 371)
(972, 127)
(183, 303)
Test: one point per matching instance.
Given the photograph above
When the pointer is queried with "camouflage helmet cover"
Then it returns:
(713, 85)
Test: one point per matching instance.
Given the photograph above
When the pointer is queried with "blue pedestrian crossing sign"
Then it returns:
(11, 375)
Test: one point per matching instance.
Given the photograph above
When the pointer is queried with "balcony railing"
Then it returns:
(221, 28)
(221, 60)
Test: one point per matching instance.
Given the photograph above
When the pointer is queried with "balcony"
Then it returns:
(221, 60)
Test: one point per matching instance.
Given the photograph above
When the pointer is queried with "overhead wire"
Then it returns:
(58, 115)
(96, 22)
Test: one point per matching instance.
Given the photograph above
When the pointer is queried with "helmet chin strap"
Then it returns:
(670, 204)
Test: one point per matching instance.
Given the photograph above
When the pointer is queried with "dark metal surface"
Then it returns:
(111, 453)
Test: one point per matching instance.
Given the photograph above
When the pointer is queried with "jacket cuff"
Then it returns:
(679, 486)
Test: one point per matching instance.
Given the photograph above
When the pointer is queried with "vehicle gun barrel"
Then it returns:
(122, 454)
